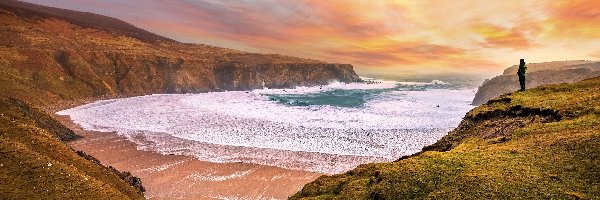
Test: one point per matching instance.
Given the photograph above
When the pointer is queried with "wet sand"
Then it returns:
(185, 177)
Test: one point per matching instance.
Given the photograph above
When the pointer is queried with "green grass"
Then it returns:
(543, 143)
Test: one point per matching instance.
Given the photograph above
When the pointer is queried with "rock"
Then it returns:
(132, 180)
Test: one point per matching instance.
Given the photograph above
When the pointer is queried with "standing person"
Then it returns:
(521, 73)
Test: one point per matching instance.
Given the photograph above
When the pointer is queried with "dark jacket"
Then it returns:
(522, 69)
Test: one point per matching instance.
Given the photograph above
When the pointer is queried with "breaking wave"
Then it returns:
(330, 128)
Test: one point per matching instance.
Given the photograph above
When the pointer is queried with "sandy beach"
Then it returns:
(185, 177)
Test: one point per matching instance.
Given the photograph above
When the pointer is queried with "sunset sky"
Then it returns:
(395, 36)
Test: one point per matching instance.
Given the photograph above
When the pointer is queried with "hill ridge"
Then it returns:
(83, 19)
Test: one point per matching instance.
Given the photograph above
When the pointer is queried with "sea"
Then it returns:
(328, 128)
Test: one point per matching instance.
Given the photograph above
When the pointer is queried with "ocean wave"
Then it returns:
(376, 84)
(247, 127)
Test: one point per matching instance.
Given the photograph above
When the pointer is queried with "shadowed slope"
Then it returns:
(35, 164)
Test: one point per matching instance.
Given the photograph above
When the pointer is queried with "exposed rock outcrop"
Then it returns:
(537, 74)
(498, 124)
(126, 176)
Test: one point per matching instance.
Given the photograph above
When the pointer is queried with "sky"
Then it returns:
(386, 36)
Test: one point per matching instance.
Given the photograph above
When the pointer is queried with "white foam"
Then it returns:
(433, 82)
(245, 127)
(377, 84)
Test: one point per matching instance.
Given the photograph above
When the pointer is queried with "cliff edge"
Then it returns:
(537, 74)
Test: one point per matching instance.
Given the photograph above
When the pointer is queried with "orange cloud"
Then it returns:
(576, 18)
(595, 55)
(387, 34)
(417, 53)
(500, 37)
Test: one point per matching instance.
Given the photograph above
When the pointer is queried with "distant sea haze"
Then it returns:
(330, 128)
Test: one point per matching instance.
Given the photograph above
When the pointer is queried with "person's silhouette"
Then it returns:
(521, 73)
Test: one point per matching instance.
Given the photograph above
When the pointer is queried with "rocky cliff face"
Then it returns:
(67, 74)
(537, 74)
(58, 54)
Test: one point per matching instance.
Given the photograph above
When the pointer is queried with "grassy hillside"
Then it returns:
(542, 143)
(35, 164)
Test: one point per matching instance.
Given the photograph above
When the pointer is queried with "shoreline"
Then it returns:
(166, 175)
(186, 177)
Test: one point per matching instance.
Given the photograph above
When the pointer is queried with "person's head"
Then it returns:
(522, 61)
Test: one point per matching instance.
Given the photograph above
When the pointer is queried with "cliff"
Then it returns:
(537, 74)
(50, 54)
(538, 144)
